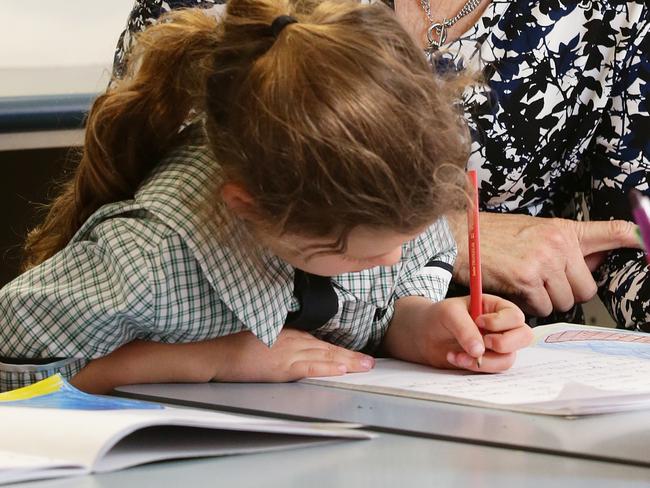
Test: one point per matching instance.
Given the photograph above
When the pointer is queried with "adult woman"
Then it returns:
(565, 114)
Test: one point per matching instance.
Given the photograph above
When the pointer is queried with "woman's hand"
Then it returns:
(294, 355)
(541, 264)
(444, 335)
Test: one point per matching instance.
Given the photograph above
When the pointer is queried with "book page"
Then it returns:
(20, 467)
(573, 371)
(168, 442)
(53, 419)
(599, 340)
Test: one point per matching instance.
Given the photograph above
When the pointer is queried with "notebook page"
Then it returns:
(40, 431)
(538, 375)
(16, 467)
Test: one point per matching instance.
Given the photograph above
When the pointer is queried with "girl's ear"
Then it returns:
(239, 201)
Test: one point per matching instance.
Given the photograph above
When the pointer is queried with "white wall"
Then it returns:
(53, 47)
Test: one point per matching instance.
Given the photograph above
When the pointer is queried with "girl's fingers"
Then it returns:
(301, 355)
(337, 351)
(467, 334)
(509, 341)
(506, 319)
(491, 362)
(311, 369)
(354, 362)
(507, 316)
(494, 304)
(306, 341)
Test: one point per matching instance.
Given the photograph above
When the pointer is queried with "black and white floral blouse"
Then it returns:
(566, 115)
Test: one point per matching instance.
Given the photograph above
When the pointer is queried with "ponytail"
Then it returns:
(132, 125)
(332, 122)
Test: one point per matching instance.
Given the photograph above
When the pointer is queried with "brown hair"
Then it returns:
(337, 122)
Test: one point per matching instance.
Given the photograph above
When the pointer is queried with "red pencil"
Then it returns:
(475, 282)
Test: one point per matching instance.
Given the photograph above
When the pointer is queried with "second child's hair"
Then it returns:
(336, 122)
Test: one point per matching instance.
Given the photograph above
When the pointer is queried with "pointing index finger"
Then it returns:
(597, 236)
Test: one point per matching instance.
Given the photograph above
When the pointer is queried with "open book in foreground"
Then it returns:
(569, 370)
(50, 429)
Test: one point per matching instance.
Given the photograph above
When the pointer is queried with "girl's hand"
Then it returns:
(236, 357)
(444, 335)
(295, 355)
(504, 329)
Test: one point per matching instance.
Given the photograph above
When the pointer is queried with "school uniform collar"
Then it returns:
(260, 296)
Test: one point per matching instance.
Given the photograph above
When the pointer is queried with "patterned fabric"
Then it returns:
(150, 269)
(146, 12)
(566, 117)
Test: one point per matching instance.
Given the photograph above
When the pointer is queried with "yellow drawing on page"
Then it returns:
(40, 388)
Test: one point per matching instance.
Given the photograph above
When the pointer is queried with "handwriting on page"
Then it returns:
(537, 376)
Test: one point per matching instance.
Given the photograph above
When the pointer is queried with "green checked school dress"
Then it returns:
(150, 269)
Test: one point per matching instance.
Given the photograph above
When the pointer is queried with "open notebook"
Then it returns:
(50, 429)
(568, 370)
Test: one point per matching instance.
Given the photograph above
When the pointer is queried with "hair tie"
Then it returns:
(280, 22)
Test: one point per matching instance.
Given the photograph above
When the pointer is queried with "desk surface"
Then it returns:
(388, 461)
(620, 438)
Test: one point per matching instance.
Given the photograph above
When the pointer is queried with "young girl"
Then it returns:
(238, 166)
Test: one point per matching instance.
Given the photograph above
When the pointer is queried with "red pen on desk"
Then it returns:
(474, 247)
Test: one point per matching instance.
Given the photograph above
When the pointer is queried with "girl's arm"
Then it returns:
(237, 357)
(150, 362)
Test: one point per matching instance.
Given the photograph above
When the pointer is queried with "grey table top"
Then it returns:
(387, 461)
(620, 438)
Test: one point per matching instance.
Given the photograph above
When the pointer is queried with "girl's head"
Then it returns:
(327, 133)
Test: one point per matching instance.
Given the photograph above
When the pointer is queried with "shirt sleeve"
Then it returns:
(620, 161)
(426, 273)
(128, 279)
